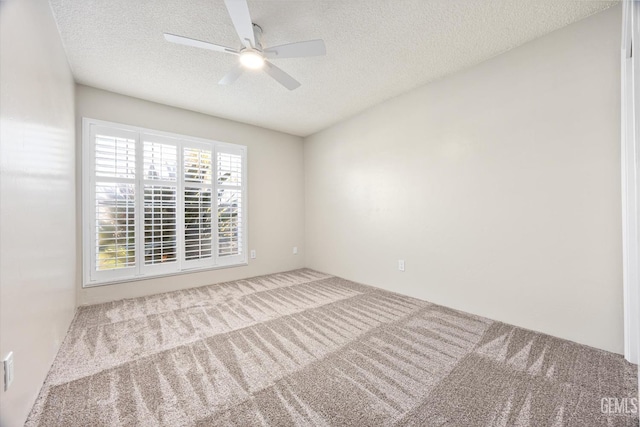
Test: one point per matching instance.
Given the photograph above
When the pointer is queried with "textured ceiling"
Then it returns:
(376, 49)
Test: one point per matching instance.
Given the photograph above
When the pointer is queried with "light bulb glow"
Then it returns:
(251, 59)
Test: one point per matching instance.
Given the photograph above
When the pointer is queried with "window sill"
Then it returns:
(86, 285)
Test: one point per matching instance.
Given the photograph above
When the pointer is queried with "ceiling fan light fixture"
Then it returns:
(251, 59)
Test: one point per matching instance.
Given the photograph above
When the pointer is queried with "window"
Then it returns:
(156, 203)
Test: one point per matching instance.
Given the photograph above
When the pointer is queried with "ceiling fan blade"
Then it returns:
(280, 76)
(239, 12)
(231, 76)
(197, 43)
(297, 50)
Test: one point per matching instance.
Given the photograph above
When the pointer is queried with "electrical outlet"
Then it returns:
(401, 264)
(8, 370)
(295, 250)
(252, 254)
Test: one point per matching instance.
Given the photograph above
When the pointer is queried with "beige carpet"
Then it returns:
(304, 348)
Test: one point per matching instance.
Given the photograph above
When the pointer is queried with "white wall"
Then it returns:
(499, 186)
(37, 195)
(276, 188)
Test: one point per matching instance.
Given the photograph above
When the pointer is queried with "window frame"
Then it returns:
(141, 271)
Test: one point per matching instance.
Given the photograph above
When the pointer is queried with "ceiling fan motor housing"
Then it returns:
(257, 33)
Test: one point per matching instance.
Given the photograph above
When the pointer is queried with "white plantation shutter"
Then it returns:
(158, 203)
(198, 186)
(115, 216)
(112, 207)
(160, 187)
(230, 207)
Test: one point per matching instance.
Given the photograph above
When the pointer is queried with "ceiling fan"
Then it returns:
(252, 55)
